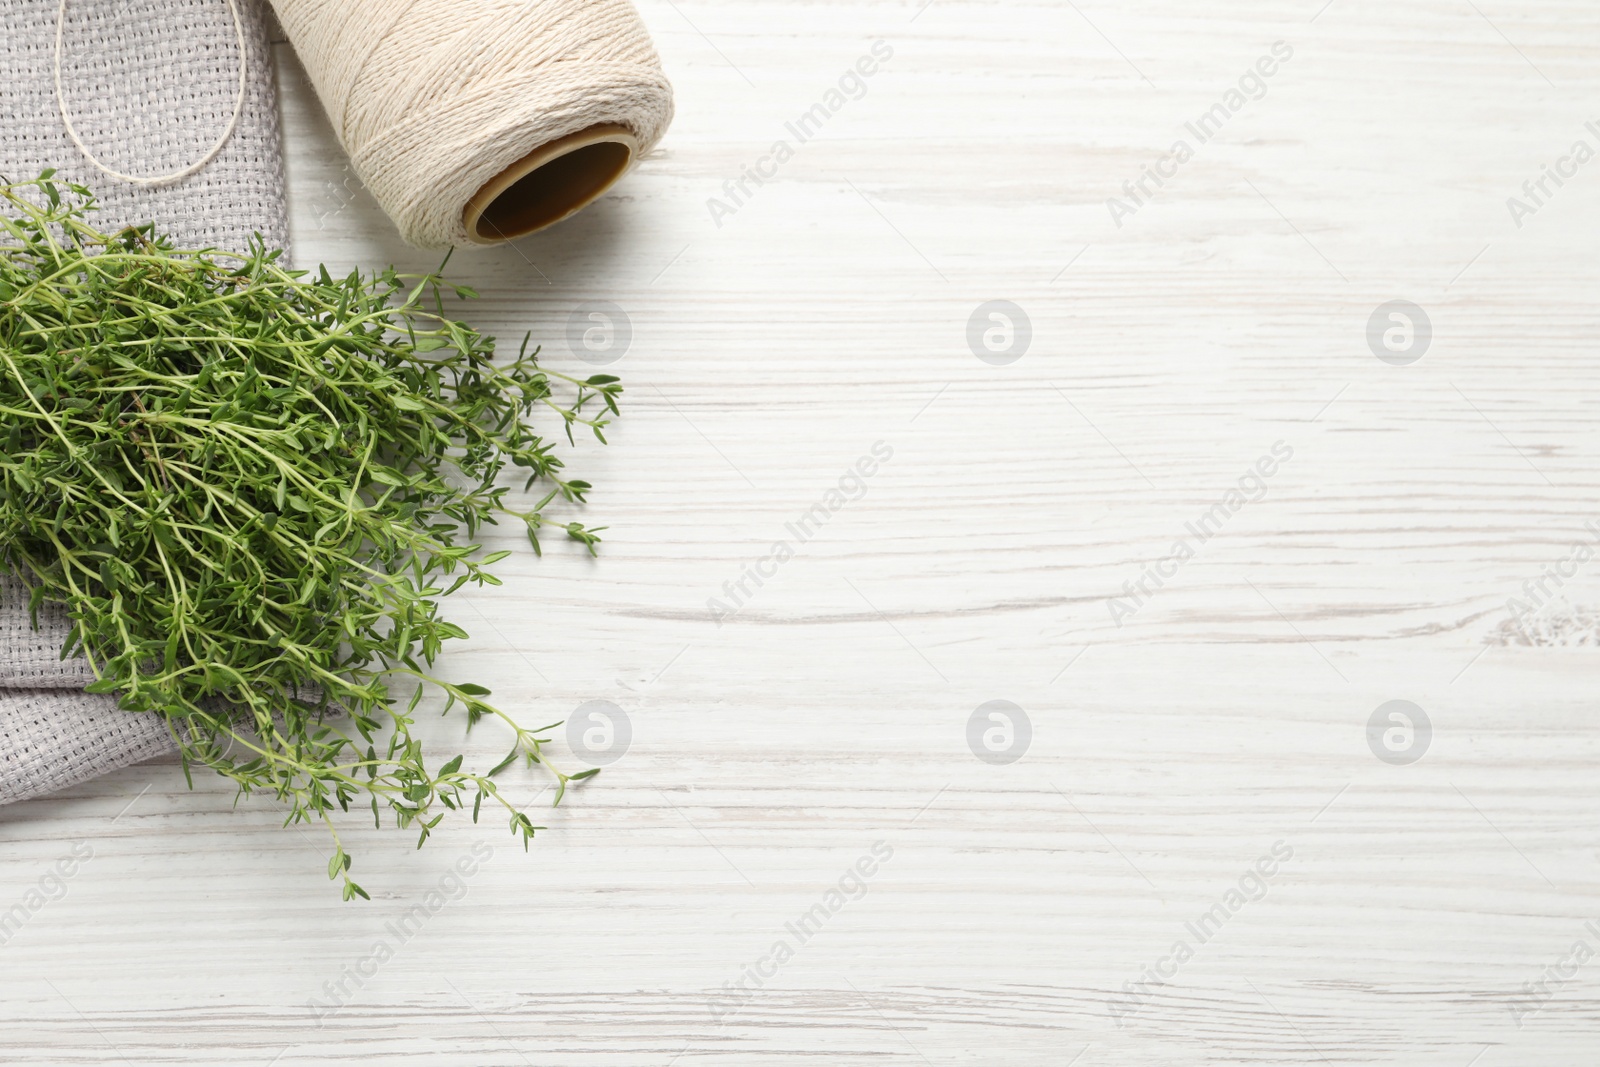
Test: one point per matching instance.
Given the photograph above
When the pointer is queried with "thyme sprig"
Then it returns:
(251, 488)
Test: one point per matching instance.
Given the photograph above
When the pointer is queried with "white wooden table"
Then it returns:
(1028, 912)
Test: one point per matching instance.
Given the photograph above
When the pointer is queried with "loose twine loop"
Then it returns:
(156, 179)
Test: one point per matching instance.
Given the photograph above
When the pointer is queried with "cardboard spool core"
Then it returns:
(551, 183)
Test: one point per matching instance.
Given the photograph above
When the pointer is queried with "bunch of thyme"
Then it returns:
(251, 487)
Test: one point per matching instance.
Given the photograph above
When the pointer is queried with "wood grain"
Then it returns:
(1170, 753)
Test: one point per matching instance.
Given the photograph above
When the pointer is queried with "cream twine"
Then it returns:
(154, 179)
(433, 98)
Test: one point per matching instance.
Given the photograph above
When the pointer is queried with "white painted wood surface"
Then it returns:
(1421, 903)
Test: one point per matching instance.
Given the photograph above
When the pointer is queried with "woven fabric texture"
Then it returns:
(150, 86)
(31, 658)
(53, 738)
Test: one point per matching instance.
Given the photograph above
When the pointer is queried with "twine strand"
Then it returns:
(157, 179)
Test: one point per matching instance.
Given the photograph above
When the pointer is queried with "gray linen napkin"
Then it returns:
(150, 86)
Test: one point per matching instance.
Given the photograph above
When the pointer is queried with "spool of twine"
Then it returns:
(477, 121)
